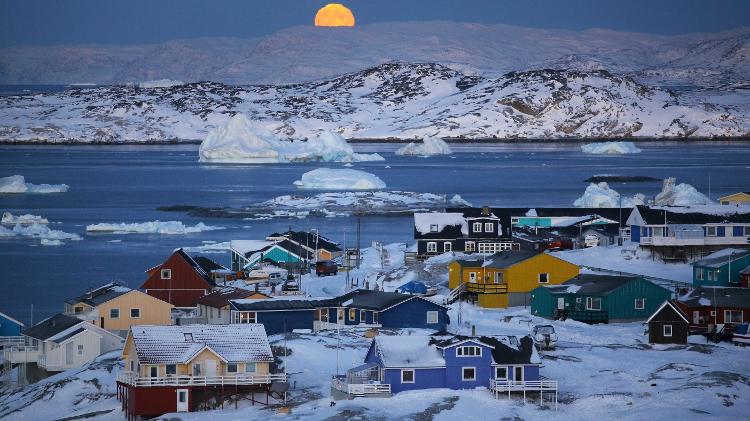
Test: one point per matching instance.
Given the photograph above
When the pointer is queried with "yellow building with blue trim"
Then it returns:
(506, 279)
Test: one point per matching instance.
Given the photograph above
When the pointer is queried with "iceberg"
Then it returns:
(610, 148)
(600, 195)
(673, 194)
(430, 146)
(18, 184)
(26, 219)
(339, 179)
(40, 231)
(241, 141)
(152, 227)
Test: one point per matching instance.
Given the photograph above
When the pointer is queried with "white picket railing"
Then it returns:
(360, 389)
(501, 385)
(319, 325)
(240, 379)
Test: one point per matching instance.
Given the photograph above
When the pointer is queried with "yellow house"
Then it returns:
(740, 198)
(116, 308)
(507, 278)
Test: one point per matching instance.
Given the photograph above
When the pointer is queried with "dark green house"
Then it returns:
(721, 269)
(599, 299)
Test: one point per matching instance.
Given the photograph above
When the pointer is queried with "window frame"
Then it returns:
(489, 227)
(432, 247)
(165, 274)
(746, 231)
(473, 277)
(434, 228)
(710, 275)
(447, 247)
(363, 316)
(476, 351)
(375, 317)
(546, 277)
(172, 368)
(699, 274)
(79, 348)
(244, 317)
(139, 313)
(506, 373)
(199, 371)
(499, 278)
(470, 246)
(643, 304)
(732, 319)
(435, 314)
(474, 226)
(413, 375)
(253, 365)
(352, 314)
(665, 333)
(232, 365)
(463, 374)
(708, 230)
(114, 313)
(590, 303)
(657, 232)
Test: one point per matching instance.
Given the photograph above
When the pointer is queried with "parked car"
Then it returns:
(325, 268)
(544, 336)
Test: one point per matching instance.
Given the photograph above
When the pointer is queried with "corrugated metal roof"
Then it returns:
(100, 295)
(591, 284)
(716, 296)
(51, 326)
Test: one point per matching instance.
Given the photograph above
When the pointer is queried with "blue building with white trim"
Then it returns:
(9, 326)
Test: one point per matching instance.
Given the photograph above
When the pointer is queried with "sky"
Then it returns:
(50, 22)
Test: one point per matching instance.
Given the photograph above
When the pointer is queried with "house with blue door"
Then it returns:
(355, 309)
(721, 269)
(393, 364)
(688, 234)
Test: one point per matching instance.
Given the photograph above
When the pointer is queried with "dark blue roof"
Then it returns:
(412, 287)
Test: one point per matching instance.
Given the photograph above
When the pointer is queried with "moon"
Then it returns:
(334, 14)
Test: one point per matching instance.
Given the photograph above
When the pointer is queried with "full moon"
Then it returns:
(334, 14)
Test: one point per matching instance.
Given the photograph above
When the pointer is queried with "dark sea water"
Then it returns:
(128, 183)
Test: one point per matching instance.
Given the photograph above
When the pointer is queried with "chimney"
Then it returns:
(485, 211)
(473, 330)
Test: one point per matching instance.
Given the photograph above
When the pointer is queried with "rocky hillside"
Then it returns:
(403, 100)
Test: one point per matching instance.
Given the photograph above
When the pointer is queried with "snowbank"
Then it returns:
(339, 179)
(682, 194)
(153, 227)
(43, 232)
(610, 148)
(26, 219)
(241, 141)
(159, 83)
(17, 184)
(430, 146)
(429, 222)
(600, 195)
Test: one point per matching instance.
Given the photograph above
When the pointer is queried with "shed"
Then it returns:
(277, 315)
(668, 325)
(412, 287)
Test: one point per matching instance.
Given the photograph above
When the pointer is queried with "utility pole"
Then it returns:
(346, 264)
(359, 251)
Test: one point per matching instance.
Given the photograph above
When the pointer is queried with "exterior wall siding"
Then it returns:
(153, 311)
(454, 367)
(621, 302)
(413, 313)
(185, 284)
(9, 327)
(285, 321)
(424, 378)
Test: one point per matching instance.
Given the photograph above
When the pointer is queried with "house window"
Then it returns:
(153, 371)
(432, 317)
(132, 365)
(196, 369)
(78, 310)
(644, 231)
(135, 313)
(711, 231)
(375, 317)
(114, 313)
(501, 372)
(447, 246)
(699, 274)
(362, 316)
(231, 368)
(470, 246)
(250, 368)
(473, 277)
(593, 303)
(407, 376)
(468, 374)
(543, 278)
(352, 314)
(640, 303)
(171, 369)
(166, 274)
(80, 349)
(667, 331)
(710, 275)
(732, 316)
(747, 230)
(476, 227)
(432, 247)
(247, 317)
(499, 277)
(469, 351)
(658, 232)
(433, 227)
(489, 227)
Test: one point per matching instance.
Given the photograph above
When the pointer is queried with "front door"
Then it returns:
(561, 303)
(518, 374)
(182, 400)
(210, 368)
(69, 349)
(696, 317)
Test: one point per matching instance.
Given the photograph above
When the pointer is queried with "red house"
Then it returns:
(709, 307)
(180, 280)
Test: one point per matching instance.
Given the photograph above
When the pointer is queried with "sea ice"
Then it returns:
(26, 219)
(242, 141)
(17, 184)
(40, 231)
(600, 195)
(610, 148)
(430, 146)
(673, 194)
(339, 179)
(152, 227)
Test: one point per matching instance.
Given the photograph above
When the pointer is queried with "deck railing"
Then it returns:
(500, 385)
(360, 389)
(320, 325)
(487, 288)
(12, 341)
(134, 379)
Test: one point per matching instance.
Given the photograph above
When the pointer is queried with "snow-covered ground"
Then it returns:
(610, 148)
(339, 179)
(430, 146)
(152, 227)
(18, 184)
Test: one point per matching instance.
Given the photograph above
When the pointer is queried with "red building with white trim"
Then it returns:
(180, 280)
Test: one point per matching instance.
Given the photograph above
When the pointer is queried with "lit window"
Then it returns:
(352, 314)
(166, 274)
(247, 317)
(468, 374)
(432, 317)
(640, 303)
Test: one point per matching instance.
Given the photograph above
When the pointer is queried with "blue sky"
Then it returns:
(146, 21)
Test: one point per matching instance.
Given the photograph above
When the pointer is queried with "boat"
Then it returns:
(544, 337)
(741, 335)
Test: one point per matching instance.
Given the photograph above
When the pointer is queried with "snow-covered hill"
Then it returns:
(403, 100)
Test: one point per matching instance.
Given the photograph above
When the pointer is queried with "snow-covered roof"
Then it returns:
(408, 351)
(100, 295)
(244, 247)
(423, 222)
(722, 257)
(178, 344)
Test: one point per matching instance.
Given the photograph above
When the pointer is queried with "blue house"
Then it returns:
(358, 308)
(503, 364)
(721, 269)
(9, 326)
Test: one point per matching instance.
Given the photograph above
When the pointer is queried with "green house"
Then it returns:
(721, 269)
(599, 299)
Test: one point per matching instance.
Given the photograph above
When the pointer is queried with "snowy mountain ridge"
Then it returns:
(401, 100)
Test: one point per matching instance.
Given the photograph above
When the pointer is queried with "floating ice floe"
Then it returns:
(152, 227)
(673, 194)
(241, 141)
(160, 83)
(43, 232)
(17, 184)
(26, 219)
(48, 242)
(610, 148)
(339, 179)
(600, 195)
(430, 146)
(209, 247)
